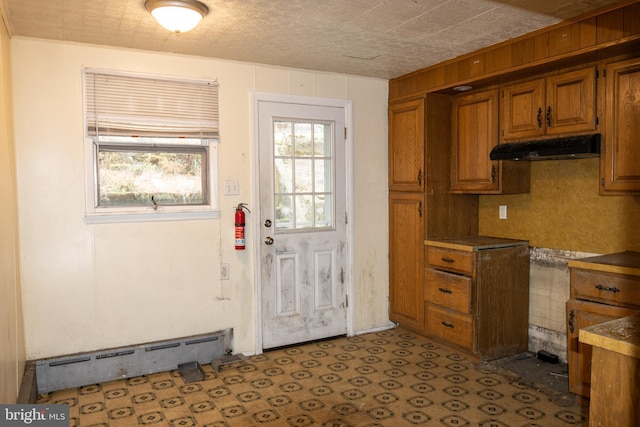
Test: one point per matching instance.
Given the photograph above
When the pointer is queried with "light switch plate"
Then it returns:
(231, 187)
(503, 212)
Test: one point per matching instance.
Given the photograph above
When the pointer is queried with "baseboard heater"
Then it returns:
(125, 362)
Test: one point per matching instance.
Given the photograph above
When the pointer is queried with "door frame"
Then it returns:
(256, 98)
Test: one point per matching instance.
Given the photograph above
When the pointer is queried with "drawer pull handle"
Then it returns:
(607, 288)
(446, 291)
(447, 324)
(449, 260)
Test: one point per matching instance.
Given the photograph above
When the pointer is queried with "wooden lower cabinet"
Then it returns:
(476, 294)
(581, 314)
(615, 372)
(616, 390)
(602, 288)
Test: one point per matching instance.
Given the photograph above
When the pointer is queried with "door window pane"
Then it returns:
(303, 168)
(322, 139)
(304, 211)
(303, 139)
(324, 210)
(323, 175)
(284, 212)
(282, 139)
(303, 176)
(284, 175)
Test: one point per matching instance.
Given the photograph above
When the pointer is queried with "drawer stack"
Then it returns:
(448, 296)
(477, 294)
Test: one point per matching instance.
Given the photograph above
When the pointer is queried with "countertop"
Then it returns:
(475, 243)
(620, 335)
(621, 263)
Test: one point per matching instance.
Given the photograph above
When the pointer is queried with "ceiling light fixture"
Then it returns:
(178, 16)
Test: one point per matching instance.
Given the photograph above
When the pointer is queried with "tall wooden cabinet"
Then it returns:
(420, 203)
(620, 160)
(603, 288)
(474, 134)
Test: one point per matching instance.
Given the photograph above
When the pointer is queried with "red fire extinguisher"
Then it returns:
(240, 243)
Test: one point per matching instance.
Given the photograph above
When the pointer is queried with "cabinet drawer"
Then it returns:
(609, 288)
(449, 326)
(448, 290)
(450, 259)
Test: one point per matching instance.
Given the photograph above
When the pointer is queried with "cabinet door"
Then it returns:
(571, 102)
(406, 146)
(581, 314)
(522, 110)
(475, 133)
(406, 259)
(620, 171)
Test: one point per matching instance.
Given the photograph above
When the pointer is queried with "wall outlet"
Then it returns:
(224, 271)
(503, 212)
(231, 187)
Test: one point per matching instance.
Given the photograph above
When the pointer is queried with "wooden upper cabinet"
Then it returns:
(571, 102)
(475, 133)
(406, 146)
(522, 110)
(559, 104)
(620, 156)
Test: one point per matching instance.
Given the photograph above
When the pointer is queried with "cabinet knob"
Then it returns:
(445, 291)
(447, 324)
(448, 260)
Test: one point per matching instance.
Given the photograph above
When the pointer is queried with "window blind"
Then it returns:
(119, 104)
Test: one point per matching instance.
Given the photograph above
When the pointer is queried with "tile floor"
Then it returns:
(389, 378)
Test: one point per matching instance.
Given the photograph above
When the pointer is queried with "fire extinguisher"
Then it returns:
(240, 243)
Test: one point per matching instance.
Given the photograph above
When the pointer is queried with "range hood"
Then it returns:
(573, 147)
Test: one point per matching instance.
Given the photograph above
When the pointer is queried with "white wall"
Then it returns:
(87, 287)
(12, 348)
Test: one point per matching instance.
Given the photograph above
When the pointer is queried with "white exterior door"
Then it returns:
(302, 235)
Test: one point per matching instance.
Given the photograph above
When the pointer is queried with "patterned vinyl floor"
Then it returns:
(389, 378)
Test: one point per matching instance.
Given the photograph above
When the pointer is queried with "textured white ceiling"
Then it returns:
(377, 38)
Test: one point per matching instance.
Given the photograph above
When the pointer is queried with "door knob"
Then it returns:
(268, 240)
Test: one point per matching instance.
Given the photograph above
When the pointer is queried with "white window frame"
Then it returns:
(95, 214)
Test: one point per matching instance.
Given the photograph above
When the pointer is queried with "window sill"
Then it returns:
(104, 218)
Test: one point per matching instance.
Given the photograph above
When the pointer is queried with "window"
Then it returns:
(152, 145)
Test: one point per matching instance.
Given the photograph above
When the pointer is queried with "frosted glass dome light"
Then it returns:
(178, 16)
